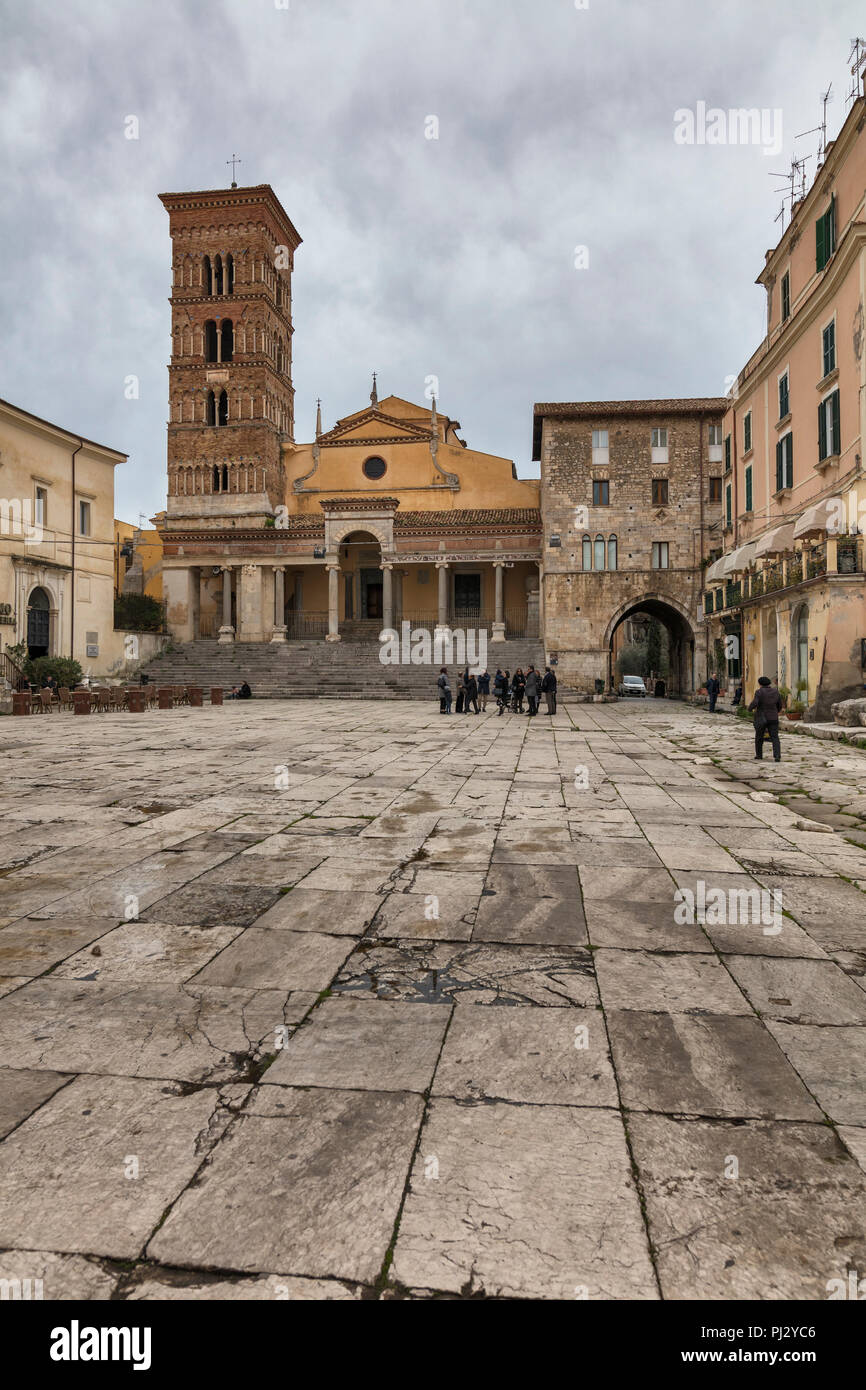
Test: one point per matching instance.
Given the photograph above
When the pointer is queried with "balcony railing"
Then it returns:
(816, 561)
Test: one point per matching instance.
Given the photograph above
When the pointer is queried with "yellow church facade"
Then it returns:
(388, 517)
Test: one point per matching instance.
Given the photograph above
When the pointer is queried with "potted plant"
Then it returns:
(784, 695)
(795, 710)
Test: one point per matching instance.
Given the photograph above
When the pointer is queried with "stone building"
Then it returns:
(788, 597)
(57, 542)
(386, 516)
(630, 491)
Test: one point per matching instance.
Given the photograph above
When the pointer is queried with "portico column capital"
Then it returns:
(442, 564)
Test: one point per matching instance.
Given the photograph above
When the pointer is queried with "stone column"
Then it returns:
(387, 595)
(279, 632)
(227, 632)
(442, 622)
(333, 634)
(499, 612)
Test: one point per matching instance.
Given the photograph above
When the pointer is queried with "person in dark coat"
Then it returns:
(767, 705)
(500, 688)
(470, 696)
(444, 688)
(548, 689)
(533, 690)
(713, 689)
(461, 695)
(483, 688)
(518, 685)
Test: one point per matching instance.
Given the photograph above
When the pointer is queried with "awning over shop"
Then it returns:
(739, 559)
(714, 574)
(824, 516)
(775, 542)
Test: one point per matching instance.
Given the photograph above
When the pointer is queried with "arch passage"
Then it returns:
(681, 639)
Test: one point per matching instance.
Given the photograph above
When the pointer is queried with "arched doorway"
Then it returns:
(769, 646)
(672, 657)
(360, 561)
(38, 623)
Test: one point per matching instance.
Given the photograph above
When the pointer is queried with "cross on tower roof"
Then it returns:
(233, 161)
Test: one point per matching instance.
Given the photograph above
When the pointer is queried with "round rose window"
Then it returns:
(374, 468)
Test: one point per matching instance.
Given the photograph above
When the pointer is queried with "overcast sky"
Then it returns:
(452, 257)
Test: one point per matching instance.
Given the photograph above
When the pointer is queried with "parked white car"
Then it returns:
(633, 685)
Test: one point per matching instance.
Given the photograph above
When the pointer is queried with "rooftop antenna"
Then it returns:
(826, 98)
(858, 55)
(796, 173)
(233, 161)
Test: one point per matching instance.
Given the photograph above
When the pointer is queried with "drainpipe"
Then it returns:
(72, 558)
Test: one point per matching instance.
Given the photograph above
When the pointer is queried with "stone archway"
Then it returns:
(684, 639)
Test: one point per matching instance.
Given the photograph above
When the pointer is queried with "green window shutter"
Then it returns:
(779, 475)
(837, 435)
(822, 431)
(728, 505)
(789, 449)
(820, 254)
(748, 489)
(830, 236)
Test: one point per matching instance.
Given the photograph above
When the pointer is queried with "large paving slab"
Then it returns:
(424, 993)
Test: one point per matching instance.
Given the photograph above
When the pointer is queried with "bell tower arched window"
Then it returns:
(230, 274)
(210, 341)
(218, 275)
(207, 278)
(228, 340)
(210, 414)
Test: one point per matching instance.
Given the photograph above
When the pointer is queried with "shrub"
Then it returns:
(138, 613)
(64, 669)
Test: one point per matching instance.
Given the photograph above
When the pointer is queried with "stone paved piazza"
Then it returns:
(351, 1000)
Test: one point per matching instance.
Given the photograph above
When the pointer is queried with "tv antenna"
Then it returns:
(796, 174)
(858, 55)
(826, 98)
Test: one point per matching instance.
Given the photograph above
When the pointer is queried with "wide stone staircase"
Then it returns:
(318, 669)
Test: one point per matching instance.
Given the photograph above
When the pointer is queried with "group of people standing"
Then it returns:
(509, 691)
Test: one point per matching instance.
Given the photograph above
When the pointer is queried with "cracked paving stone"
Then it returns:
(22, 1092)
(425, 917)
(363, 1044)
(832, 1062)
(661, 983)
(523, 1202)
(225, 904)
(532, 1055)
(31, 946)
(309, 909)
(641, 925)
(790, 1220)
(115, 1027)
(262, 959)
(265, 1288)
(724, 1065)
(313, 1187)
(533, 905)
(63, 1173)
(63, 1277)
(145, 951)
(441, 972)
(799, 991)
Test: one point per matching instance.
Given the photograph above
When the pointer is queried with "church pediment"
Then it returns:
(374, 426)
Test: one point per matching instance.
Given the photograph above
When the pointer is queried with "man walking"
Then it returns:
(548, 689)
(713, 689)
(470, 696)
(483, 688)
(533, 690)
(500, 689)
(767, 704)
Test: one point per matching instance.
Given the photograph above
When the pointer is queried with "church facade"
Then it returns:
(388, 516)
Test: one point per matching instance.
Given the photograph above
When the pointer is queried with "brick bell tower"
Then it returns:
(231, 401)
